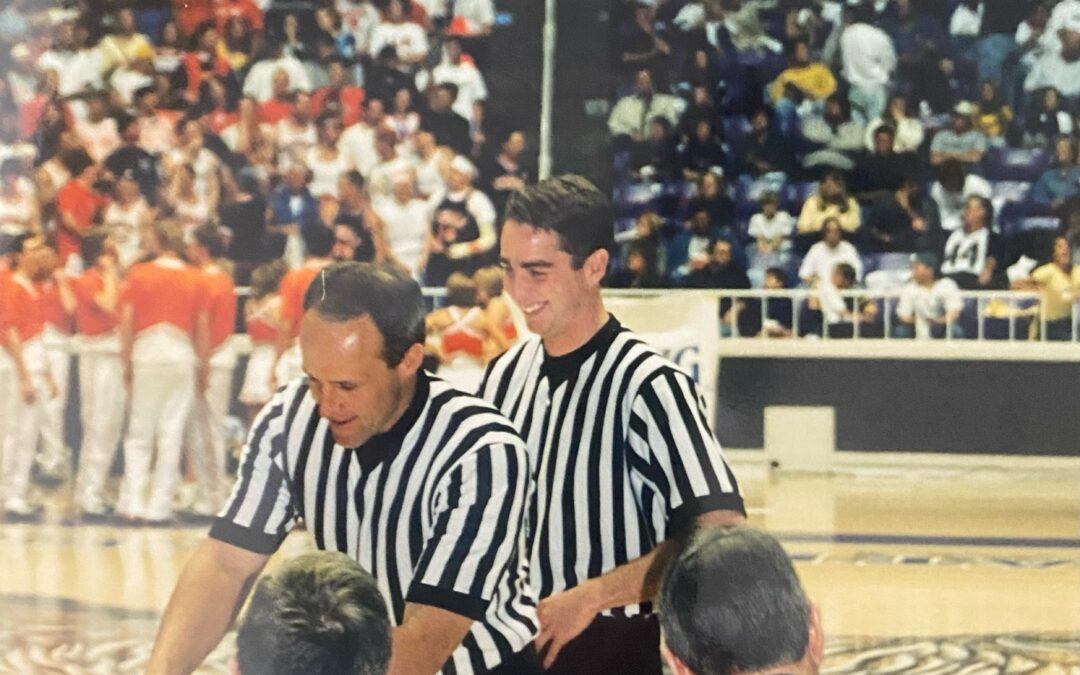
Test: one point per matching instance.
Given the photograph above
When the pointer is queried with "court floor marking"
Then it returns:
(927, 540)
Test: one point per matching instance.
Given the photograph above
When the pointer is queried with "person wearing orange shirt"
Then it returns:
(206, 437)
(57, 307)
(23, 324)
(163, 350)
(97, 294)
(262, 318)
(318, 242)
(77, 204)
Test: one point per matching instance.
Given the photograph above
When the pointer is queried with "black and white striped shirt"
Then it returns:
(433, 508)
(620, 448)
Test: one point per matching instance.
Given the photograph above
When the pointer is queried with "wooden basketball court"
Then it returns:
(949, 570)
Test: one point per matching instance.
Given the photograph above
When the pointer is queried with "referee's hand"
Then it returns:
(563, 617)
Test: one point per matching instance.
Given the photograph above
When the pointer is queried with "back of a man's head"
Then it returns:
(319, 614)
(731, 604)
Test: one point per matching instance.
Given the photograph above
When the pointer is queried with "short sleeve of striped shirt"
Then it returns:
(261, 510)
(675, 452)
(475, 503)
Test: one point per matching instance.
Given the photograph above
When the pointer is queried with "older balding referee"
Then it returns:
(424, 486)
(618, 436)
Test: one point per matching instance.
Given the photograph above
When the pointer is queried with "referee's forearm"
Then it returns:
(207, 598)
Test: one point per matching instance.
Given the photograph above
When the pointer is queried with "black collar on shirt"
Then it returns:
(383, 447)
(559, 369)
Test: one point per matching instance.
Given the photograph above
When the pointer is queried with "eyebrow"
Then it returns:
(530, 264)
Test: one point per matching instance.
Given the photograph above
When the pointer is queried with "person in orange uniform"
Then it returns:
(163, 349)
(262, 316)
(23, 325)
(57, 307)
(318, 242)
(77, 204)
(489, 296)
(206, 437)
(97, 295)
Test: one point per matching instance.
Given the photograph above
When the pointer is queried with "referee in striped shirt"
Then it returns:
(619, 442)
(424, 486)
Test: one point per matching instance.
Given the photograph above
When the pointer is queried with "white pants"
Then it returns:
(161, 400)
(101, 390)
(58, 359)
(206, 432)
(22, 421)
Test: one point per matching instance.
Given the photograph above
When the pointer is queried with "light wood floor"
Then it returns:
(932, 571)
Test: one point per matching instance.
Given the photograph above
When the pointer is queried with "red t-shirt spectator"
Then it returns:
(82, 205)
(273, 111)
(190, 13)
(352, 98)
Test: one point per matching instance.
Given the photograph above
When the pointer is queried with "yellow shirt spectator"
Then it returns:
(815, 79)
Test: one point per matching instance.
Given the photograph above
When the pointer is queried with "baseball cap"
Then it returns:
(925, 258)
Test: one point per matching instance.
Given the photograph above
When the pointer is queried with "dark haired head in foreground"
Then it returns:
(731, 604)
(319, 614)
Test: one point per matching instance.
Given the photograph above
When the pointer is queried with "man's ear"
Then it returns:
(412, 361)
(677, 667)
(815, 647)
(596, 266)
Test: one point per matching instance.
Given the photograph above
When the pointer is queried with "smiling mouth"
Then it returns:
(533, 308)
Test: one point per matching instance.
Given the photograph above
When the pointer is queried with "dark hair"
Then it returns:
(209, 237)
(572, 208)
(731, 602)
(460, 290)
(318, 240)
(92, 245)
(18, 243)
(987, 207)
(319, 614)
(266, 278)
(779, 273)
(77, 161)
(349, 290)
(847, 273)
(354, 177)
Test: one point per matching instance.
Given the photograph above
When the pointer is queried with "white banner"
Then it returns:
(681, 326)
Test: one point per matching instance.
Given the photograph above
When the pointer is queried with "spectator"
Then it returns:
(817, 267)
(722, 272)
(18, 208)
(702, 151)
(358, 141)
(279, 105)
(813, 80)
(907, 130)
(407, 218)
(831, 201)
(1059, 282)
(631, 115)
(190, 208)
(385, 77)
(772, 227)
(354, 212)
(76, 69)
(380, 177)
(952, 190)
(966, 23)
(765, 150)
(961, 141)
(293, 209)
(692, 244)
(296, 133)
(1060, 182)
(449, 128)
(250, 142)
(928, 306)
(156, 127)
(656, 156)
(712, 197)
(98, 132)
(834, 136)
(325, 162)
(318, 614)
(639, 44)
(131, 159)
(730, 602)
(640, 269)
(339, 97)
(972, 254)
(994, 115)
(647, 236)
(201, 63)
(1058, 69)
(868, 64)
(506, 172)
(1046, 119)
(126, 217)
(244, 217)
(78, 205)
(463, 74)
(408, 39)
(463, 234)
(904, 220)
(880, 172)
(777, 319)
(922, 46)
(193, 154)
(126, 45)
(258, 84)
(403, 119)
(702, 108)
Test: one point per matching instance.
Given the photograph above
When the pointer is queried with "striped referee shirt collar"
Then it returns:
(558, 369)
(383, 447)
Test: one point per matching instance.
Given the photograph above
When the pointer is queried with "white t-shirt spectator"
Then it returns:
(479, 15)
(820, 261)
(630, 116)
(469, 82)
(966, 22)
(407, 38)
(951, 205)
(76, 71)
(966, 252)
(781, 225)
(868, 56)
(259, 83)
(1051, 70)
(922, 304)
(359, 20)
(357, 143)
(406, 227)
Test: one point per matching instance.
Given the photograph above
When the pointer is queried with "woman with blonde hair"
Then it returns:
(489, 297)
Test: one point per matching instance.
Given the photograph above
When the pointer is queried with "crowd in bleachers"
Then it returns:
(746, 130)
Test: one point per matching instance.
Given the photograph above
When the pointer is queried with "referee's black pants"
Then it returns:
(613, 645)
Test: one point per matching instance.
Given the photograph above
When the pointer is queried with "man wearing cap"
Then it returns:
(928, 305)
(463, 235)
(961, 141)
